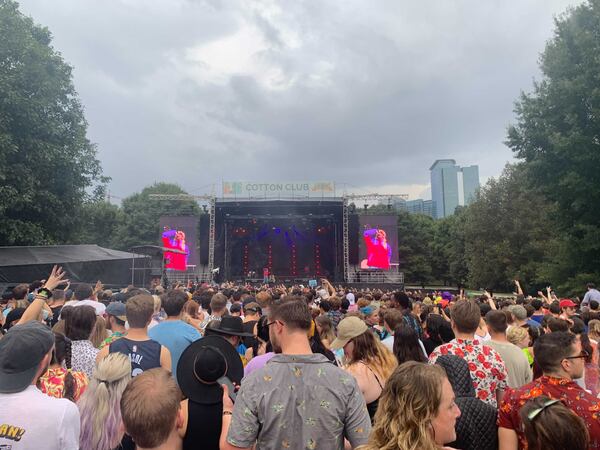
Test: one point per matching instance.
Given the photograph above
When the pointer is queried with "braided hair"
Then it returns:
(62, 356)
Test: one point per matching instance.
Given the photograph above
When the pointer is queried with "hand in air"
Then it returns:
(55, 279)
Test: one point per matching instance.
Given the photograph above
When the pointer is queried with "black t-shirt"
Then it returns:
(203, 426)
(55, 315)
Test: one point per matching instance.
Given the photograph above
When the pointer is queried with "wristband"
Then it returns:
(43, 292)
(227, 413)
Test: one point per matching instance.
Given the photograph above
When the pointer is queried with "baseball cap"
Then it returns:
(350, 297)
(118, 310)
(347, 329)
(21, 351)
(518, 311)
(567, 303)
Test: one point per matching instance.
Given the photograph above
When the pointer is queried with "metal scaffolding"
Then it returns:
(365, 197)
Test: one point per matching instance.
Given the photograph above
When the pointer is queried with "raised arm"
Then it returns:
(35, 308)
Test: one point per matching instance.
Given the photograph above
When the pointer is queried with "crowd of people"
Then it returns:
(235, 366)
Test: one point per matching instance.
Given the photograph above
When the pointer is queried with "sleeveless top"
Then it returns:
(372, 407)
(204, 426)
(144, 355)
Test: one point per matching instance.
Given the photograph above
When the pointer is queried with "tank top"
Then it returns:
(204, 426)
(372, 407)
(144, 355)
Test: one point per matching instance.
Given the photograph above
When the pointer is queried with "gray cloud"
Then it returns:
(363, 92)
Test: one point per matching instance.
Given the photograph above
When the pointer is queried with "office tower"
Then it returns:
(452, 186)
(470, 183)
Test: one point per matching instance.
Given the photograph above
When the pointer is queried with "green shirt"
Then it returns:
(112, 338)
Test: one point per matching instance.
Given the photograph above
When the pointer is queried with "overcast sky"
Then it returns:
(367, 93)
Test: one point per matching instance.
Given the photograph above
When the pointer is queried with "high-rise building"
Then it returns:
(452, 186)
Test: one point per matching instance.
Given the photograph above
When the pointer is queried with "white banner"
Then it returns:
(296, 189)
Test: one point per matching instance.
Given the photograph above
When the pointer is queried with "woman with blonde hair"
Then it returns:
(325, 329)
(519, 336)
(416, 410)
(366, 358)
(99, 406)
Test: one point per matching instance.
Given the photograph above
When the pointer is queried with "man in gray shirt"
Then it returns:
(591, 294)
(299, 400)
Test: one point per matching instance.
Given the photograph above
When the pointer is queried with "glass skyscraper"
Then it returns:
(452, 186)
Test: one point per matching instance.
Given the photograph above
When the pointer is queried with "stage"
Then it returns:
(289, 239)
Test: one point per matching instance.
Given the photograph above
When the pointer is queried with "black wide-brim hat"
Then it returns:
(230, 326)
(203, 363)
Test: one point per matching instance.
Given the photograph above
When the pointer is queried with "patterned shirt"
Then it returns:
(583, 404)
(485, 365)
(83, 357)
(112, 338)
(335, 317)
(52, 383)
(299, 402)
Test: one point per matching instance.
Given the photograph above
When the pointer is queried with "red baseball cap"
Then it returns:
(567, 303)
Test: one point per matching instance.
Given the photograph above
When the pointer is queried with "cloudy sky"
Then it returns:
(367, 93)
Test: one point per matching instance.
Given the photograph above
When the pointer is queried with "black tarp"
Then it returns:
(83, 264)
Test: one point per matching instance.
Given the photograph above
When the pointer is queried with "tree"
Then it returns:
(557, 135)
(508, 233)
(141, 215)
(449, 259)
(47, 164)
(98, 224)
(415, 235)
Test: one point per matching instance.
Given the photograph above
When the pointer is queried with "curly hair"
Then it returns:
(410, 400)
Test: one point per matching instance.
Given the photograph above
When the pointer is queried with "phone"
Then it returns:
(227, 382)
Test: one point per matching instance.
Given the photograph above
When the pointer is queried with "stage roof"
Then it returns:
(58, 254)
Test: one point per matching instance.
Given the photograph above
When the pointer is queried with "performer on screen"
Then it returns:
(175, 239)
(379, 253)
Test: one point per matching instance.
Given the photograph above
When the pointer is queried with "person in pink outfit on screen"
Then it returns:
(176, 240)
(379, 253)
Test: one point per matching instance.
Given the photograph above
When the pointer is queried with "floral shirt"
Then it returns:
(485, 365)
(52, 382)
(583, 404)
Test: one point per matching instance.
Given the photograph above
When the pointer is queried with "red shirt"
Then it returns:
(583, 404)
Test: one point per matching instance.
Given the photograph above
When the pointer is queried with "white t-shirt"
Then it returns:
(33, 420)
(99, 307)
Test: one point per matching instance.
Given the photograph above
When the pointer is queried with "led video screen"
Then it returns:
(378, 241)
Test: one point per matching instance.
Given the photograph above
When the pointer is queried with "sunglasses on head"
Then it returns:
(536, 412)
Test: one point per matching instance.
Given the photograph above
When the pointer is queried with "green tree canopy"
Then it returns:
(557, 136)
(509, 232)
(140, 215)
(47, 164)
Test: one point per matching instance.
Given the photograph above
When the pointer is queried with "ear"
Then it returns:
(122, 428)
(179, 420)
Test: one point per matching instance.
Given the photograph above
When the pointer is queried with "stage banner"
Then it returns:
(296, 189)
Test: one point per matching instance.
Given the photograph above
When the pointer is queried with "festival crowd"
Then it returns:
(236, 366)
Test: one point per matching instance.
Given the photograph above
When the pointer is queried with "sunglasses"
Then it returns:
(583, 354)
(536, 412)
